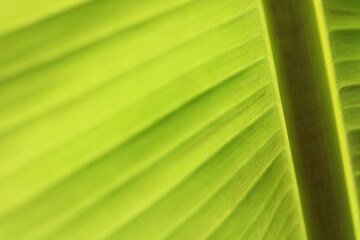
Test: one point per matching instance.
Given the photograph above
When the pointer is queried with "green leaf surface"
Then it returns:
(142, 120)
(179, 119)
(343, 24)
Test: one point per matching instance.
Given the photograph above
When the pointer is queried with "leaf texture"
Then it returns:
(146, 119)
(343, 24)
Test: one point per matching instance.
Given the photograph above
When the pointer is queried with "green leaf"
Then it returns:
(343, 23)
(163, 119)
(343, 32)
